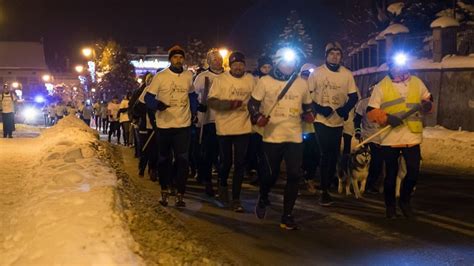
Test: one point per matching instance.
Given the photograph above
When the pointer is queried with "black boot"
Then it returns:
(406, 209)
(179, 201)
(224, 194)
(164, 198)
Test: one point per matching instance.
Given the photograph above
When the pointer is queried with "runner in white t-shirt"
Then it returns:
(209, 146)
(395, 94)
(171, 95)
(334, 95)
(228, 96)
(113, 109)
(282, 131)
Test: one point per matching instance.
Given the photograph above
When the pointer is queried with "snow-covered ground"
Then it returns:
(58, 203)
(448, 151)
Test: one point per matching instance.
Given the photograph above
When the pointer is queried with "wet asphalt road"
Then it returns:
(351, 232)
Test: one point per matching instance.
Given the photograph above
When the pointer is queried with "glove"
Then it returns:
(162, 106)
(326, 111)
(308, 117)
(426, 106)
(234, 104)
(358, 134)
(262, 120)
(394, 121)
(341, 111)
(202, 108)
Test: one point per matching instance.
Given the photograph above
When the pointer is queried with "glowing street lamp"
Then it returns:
(46, 78)
(15, 85)
(139, 80)
(93, 90)
(87, 52)
(223, 52)
(79, 69)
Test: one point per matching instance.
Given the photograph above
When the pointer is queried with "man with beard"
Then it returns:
(169, 94)
(228, 96)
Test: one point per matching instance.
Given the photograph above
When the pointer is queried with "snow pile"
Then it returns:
(393, 29)
(396, 8)
(68, 212)
(448, 150)
(444, 22)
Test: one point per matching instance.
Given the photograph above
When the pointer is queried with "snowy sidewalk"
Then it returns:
(448, 151)
(58, 203)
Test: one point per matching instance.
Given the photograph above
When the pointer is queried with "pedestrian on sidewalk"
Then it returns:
(124, 119)
(171, 95)
(282, 131)
(334, 95)
(396, 94)
(104, 117)
(8, 111)
(87, 113)
(228, 96)
(113, 109)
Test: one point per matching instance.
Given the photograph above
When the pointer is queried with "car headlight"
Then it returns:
(30, 113)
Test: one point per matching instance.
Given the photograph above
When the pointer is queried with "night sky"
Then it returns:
(246, 25)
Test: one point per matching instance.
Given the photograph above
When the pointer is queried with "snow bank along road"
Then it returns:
(58, 202)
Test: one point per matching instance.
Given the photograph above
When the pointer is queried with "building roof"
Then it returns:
(20, 55)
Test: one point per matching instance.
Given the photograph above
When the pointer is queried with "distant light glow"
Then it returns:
(15, 85)
(30, 113)
(79, 68)
(46, 78)
(49, 88)
(139, 80)
(311, 70)
(87, 52)
(91, 65)
(223, 52)
(39, 99)
(400, 59)
(93, 89)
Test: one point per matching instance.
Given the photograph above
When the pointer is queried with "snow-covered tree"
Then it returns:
(295, 35)
(196, 52)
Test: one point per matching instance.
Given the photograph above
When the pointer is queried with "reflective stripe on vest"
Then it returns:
(394, 104)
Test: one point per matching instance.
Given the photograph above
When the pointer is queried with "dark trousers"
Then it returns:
(255, 154)
(194, 159)
(173, 143)
(114, 127)
(150, 154)
(329, 140)
(347, 143)
(105, 125)
(274, 153)
(412, 157)
(98, 122)
(311, 156)
(8, 124)
(87, 121)
(209, 151)
(126, 132)
(233, 148)
(376, 164)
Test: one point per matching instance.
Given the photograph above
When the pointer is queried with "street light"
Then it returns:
(15, 85)
(93, 90)
(79, 69)
(87, 52)
(46, 78)
(223, 52)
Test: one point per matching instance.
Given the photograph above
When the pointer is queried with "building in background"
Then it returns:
(23, 66)
(148, 59)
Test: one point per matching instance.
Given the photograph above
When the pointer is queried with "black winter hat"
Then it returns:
(236, 57)
(264, 60)
(175, 50)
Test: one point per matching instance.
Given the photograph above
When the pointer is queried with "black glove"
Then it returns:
(342, 112)
(426, 106)
(202, 108)
(324, 110)
(162, 106)
(358, 134)
(394, 121)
